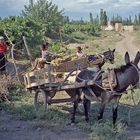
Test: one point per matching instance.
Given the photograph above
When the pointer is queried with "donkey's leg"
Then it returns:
(115, 113)
(86, 104)
(71, 92)
(75, 105)
(102, 108)
(115, 108)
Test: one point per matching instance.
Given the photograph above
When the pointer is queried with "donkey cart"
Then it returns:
(48, 81)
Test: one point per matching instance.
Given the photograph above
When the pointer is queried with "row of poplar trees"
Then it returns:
(103, 18)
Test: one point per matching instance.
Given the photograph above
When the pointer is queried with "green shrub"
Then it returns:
(106, 131)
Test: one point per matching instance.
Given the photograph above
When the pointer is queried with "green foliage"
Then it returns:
(45, 14)
(106, 131)
(79, 35)
(39, 19)
(85, 28)
(56, 47)
(16, 27)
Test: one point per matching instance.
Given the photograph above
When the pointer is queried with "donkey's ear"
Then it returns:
(113, 50)
(137, 58)
(109, 49)
(127, 58)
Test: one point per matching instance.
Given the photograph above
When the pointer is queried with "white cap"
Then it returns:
(1, 38)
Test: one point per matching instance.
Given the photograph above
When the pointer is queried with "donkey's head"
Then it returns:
(136, 60)
(134, 63)
(109, 56)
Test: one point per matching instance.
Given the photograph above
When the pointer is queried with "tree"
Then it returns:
(45, 14)
(139, 18)
(104, 18)
(113, 18)
(81, 21)
(91, 17)
(101, 16)
(97, 22)
(136, 20)
(130, 20)
(66, 19)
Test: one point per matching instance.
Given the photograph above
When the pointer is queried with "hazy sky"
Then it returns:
(77, 8)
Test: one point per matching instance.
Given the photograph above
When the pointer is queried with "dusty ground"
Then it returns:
(13, 129)
(127, 44)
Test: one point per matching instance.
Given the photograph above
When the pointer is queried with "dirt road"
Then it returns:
(14, 129)
(127, 44)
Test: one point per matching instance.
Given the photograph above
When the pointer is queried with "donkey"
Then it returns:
(127, 75)
(107, 56)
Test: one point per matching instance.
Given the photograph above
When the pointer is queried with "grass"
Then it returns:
(105, 131)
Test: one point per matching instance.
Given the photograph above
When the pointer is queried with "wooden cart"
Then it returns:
(49, 80)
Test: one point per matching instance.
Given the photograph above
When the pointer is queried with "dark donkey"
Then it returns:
(127, 75)
(107, 57)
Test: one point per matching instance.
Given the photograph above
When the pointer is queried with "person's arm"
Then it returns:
(84, 55)
(77, 54)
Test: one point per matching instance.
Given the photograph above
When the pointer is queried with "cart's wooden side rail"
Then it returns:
(42, 77)
(49, 76)
(76, 85)
(59, 87)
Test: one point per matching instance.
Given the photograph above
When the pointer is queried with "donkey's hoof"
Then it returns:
(49, 103)
(70, 124)
(87, 120)
(100, 120)
(73, 120)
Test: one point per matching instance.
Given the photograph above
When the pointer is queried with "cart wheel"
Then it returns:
(40, 99)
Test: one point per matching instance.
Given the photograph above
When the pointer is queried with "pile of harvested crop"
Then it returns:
(63, 59)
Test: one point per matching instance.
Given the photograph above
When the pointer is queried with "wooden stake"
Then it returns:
(27, 49)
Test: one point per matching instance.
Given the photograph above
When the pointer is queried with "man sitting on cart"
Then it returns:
(46, 57)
